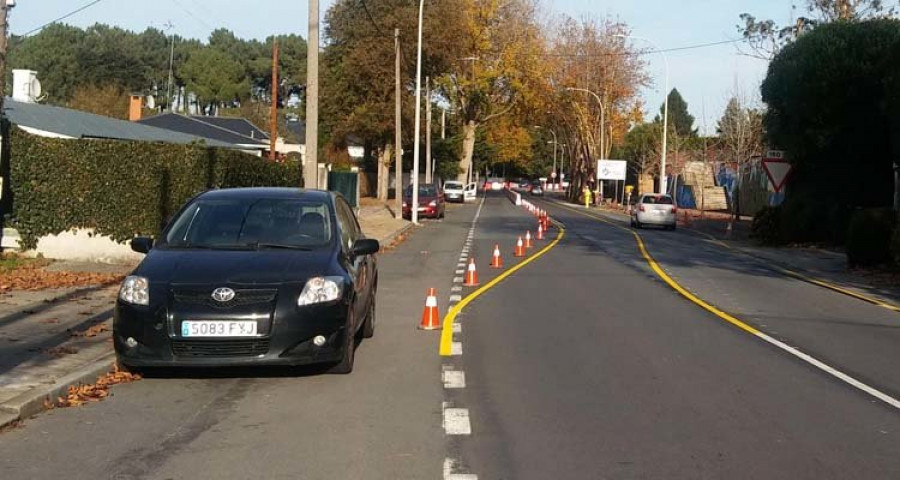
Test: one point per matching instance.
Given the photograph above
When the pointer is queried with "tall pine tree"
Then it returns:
(680, 120)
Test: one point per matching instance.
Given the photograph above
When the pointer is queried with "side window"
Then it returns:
(349, 228)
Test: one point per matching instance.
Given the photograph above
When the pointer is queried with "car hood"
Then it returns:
(422, 200)
(233, 266)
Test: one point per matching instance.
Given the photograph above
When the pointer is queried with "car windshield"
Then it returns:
(424, 191)
(657, 200)
(453, 186)
(251, 223)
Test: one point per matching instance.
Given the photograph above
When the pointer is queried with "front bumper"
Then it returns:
(430, 212)
(287, 342)
(647, 218)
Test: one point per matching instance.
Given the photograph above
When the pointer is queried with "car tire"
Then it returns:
(345, 365)
(368, 327)
(637, 224)
(673, 227)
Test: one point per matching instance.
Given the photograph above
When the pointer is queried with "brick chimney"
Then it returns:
(136, 103)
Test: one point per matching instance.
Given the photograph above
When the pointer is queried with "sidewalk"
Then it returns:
(827, 268)
(51, 339)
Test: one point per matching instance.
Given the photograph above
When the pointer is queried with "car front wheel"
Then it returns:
(345, 365)
(368, 328)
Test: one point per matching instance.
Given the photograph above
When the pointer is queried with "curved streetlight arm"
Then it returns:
(602, 117)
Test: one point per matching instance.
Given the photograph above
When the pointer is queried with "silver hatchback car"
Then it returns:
(653, 209)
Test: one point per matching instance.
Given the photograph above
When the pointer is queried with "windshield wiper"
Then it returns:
(202, 246)
(282, 246)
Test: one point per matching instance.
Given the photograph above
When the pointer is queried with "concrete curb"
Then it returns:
(389, 238)
(32, 402)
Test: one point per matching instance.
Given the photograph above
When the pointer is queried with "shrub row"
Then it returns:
(120, 189)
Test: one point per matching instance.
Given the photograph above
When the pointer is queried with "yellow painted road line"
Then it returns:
(784, 271)
(447, 329)
(744, 326)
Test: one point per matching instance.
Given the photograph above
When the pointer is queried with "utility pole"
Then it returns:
(311, 168)
(273, 111)
(428, 166)
(443, 124)
(398, 140)
(5, 5)
(169, 26)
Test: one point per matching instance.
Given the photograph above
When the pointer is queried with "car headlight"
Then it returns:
(433, 203)
(320, 289)
(135, 290)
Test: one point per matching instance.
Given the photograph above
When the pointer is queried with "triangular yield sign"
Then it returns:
(778, 171)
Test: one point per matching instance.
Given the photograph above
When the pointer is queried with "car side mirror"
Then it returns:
(141, 244)
(365, 246)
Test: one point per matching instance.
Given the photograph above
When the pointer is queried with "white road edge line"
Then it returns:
(456, 349)
(831, 371)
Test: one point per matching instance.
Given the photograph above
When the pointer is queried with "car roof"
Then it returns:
(268, 192)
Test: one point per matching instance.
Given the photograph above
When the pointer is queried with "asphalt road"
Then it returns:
(382, 421)
(581, 365)
(585, 365)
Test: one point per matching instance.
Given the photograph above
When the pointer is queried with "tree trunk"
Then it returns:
(465, 163)
(384, 172)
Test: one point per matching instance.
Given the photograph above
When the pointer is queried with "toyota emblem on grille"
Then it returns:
(223, 295)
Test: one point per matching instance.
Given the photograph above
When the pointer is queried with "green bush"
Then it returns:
(869, 236)
(766, 226)
(120, 189)
(895, 244)
(804, 219)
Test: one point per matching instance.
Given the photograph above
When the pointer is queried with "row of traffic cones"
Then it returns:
(431, 317)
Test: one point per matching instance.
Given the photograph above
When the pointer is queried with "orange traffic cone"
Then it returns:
(520, 249)
(528, 243)
(540, 231)
(496, 260)
(471, 275)
(430, 316)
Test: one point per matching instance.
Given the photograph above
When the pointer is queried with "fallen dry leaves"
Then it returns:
(92, 331)
(35, 277)
(81, 394)
(59, 351)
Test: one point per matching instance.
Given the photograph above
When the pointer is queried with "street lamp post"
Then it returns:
(414, 207)
(662, 161)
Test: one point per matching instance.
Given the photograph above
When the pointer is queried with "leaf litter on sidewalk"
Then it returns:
(79, 395)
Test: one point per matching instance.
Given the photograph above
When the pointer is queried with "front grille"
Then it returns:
(242, 297)
(220, 348)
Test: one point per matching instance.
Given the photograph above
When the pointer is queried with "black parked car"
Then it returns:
(256, 276)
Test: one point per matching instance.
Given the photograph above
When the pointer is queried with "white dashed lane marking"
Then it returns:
(456, 420)
(454, 379)
(450, 466)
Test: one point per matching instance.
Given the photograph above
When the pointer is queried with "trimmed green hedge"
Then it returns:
(869, 237)
(117, 188)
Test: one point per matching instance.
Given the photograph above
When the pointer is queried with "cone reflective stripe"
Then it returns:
(528, 243)
(520, 249)
(496, 260)
(540, 231)
(471, 275)
(430, 317)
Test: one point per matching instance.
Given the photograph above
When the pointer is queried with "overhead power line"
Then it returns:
(73, 12)
(643, 52)
(372, 20)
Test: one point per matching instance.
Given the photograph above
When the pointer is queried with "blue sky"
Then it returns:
(706, 77)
